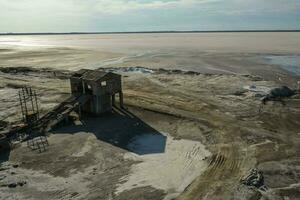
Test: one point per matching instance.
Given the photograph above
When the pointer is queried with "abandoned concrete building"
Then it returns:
(92, 91)
(99, 87)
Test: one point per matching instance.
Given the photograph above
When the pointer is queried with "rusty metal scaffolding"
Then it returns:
(29, 106)
(39, 143)
(36, 140)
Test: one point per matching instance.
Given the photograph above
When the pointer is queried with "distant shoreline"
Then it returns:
(147, 32)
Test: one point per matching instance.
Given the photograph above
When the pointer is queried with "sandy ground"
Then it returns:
(184, 135)
(171, 171)
(207, 130)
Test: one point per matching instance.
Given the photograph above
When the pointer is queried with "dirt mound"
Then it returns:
(282, 91)
(38, 71)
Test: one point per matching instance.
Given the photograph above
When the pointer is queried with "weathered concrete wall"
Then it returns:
(101, 89)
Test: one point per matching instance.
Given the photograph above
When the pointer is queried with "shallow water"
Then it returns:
(220, 53)
(288, 63)
(148, 143)
(166, 42)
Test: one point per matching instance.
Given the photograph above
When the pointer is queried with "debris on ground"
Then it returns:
(14, 185)
(278, 94)
(255, 179)
(257, 91)
(2, 177)
(246, 193)
(15, 166)
(4, 168)
(3, 125)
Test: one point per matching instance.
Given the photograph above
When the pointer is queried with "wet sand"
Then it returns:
(202, 52)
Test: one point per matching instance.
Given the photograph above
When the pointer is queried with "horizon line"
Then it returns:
(145, 32)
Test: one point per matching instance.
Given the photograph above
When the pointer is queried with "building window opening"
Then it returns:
(89, 89)
(103, 83)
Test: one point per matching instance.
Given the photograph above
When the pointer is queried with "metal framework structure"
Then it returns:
(29, 106)
(31, 116)
(93, 92)
(39, 143)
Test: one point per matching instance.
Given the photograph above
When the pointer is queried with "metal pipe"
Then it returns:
(21, 104)
(31, 99)
(25, 102)
(121, 99)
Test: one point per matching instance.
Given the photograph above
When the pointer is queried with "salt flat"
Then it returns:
(203, 52)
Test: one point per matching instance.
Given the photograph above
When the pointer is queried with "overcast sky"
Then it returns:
(147, 15)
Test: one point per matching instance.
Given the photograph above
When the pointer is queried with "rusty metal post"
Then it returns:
(24, 99)
(21, 104)
(36, 103)
(31, 99)
(79, 111)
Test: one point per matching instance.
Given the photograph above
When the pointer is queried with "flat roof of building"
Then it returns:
(92, 75)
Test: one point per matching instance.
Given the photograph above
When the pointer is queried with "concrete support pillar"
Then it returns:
(121, 100)
(97, 105)
(113, 99)
(66, 121)
(79, 111)
(83, 87)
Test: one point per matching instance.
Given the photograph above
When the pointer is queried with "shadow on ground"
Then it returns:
(123, 129)
(4, 155)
